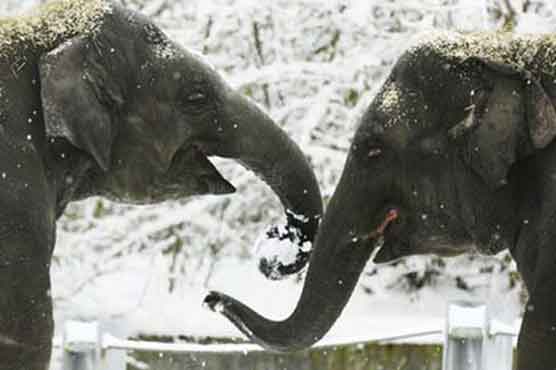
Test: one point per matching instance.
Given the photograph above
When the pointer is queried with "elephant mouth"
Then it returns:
(192, 172)
(401, 238)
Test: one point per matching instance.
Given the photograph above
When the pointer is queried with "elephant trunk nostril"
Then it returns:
(214, 301)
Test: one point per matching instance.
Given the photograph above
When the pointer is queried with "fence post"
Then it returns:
(500, 344)
(471, 341)
(81, 345)
(463, 340)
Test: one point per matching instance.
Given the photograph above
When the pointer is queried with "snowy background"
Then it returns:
(314, 66)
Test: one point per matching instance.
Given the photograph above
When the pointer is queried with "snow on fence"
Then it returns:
(472, 341)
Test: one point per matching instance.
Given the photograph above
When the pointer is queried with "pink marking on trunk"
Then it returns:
(390, 216)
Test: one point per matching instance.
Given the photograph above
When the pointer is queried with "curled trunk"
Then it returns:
(254, 140)
(334, 269)
(321, 303)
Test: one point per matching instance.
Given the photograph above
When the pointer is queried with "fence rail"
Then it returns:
(472, 341)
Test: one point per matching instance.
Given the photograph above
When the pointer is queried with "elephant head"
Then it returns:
(148, 113)
(433, 168)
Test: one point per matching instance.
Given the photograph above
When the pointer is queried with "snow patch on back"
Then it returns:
(501, 47)
(51, 23)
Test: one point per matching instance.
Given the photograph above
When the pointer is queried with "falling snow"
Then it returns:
(315, 77)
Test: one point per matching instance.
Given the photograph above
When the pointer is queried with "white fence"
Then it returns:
(472, 341)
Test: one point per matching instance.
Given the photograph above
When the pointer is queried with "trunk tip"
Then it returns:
(228, 307)
(274, 336)
(306, 226)
(214, 301)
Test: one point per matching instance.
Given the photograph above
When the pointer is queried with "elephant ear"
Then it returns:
(510, 117)
(79, 98)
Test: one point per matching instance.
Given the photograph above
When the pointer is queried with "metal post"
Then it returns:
(81, 346)
(463, 341)
(500, 344)
(473, 341)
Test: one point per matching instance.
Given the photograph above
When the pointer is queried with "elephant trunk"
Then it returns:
(255, 141)
(337, 260)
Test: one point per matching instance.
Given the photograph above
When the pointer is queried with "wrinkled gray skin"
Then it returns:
(462, 151)
(108, 114)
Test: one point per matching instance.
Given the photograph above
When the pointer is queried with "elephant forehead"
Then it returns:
(390, 118)
(202, 59)
(167, 49)
(182, 64)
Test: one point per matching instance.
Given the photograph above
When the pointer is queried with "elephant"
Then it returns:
(454, 154)
(96, 100)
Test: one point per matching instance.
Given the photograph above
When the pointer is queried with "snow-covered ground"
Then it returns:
(136, 301)
(314, 66)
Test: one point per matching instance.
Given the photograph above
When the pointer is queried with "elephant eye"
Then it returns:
(196, 97)
(374, 152)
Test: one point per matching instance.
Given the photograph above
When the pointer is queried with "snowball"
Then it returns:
(279, 247)
(270, 247)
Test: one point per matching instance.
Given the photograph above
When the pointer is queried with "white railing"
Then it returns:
(472, 341)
